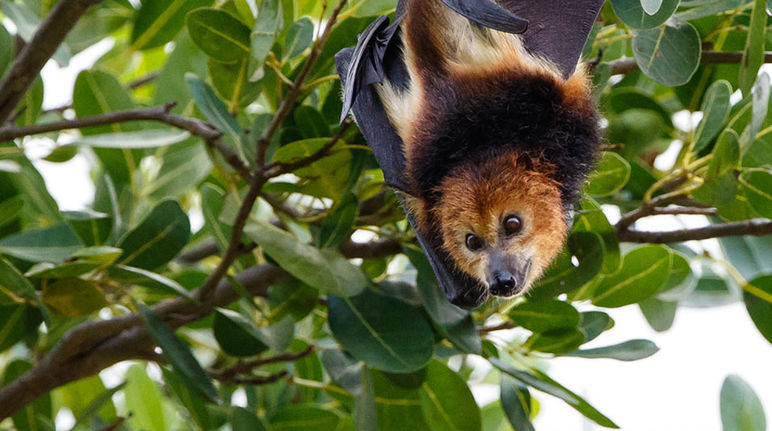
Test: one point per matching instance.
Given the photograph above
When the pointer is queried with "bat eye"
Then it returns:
(513, 225)
(473, 242)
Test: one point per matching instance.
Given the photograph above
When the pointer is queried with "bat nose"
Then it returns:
(503, 284)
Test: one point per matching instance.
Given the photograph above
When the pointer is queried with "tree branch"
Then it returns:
(161, 114)
(36, 53)
(755, 227)
(280, 168)
(294, 92)
(628, 65)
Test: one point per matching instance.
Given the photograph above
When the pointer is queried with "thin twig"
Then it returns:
(36, 53)
(161, 114)
(246, 367)
(280, 168)
(755, 227)
(628, 65)
(251, 381)
(295, 90)
(494, 328)
(143, 80)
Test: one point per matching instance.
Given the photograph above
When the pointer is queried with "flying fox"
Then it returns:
(483, 120)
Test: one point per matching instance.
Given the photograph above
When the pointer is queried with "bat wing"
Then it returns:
(559, 28)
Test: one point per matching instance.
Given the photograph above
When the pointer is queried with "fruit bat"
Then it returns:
(481, 118)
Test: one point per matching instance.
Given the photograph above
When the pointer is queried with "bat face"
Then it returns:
(501, 223)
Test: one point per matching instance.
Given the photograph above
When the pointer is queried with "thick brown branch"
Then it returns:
(628, 65)
(755, 227)
(36, 53)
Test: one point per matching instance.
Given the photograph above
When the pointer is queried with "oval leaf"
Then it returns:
(447, 402)
(545, 316)
(158, 239)
(219, 34)
(669, 54)
(741, 409)
(643, 14)
(384, 332)
(632, 350)
(644, 271)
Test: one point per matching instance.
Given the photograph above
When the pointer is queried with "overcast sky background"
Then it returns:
(676, 389)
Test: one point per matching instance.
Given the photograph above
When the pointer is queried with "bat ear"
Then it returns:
(489, 14)
(525, 160)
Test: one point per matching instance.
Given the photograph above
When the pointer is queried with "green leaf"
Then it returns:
(53, 244)
(753, 54)
(183, 165)
(544, 383)
(242, 419)
(757, 295)
(14, 286)
(384, 332)
(611, 174)
(632, 350)
(93, 228)
(143, 400)
(264, 31)
(741, 409)
(365, 409)
(516, 402)
(299, 38)
(301, 417)
(651, 7)
(591, 218)
(67, 269)
(159, 21)
(760, 103)
(344, 370)
(707, 8)
(193, 402)
(16, 321)
(85, 398)
(98, 92)
(219, 34)
(720, 184)
(759, 153)
(338, 225)
(545, 316)
(669, 54)
(6, 50)
(231, 80)
(447, 402)
(455, 324)
(639, 16)
(35, 416)
(32, 103)
(212, 201)
(100, 255)
(556, 341)
(73, 297)
(326, 270)
(292, 298)
(594, 323)
(644, 271)
(157, 239)
(398, 405)
(748, 254)
(149, 279)
(562, 276)
(10, 209)
(236, 334)
(179, 355)
(757, 185)
(660, 314)
(134, 140)
(170, 85)
(715, 108)
(215, 111)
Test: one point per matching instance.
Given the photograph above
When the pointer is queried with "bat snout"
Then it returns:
(504, 284)
(507, 278)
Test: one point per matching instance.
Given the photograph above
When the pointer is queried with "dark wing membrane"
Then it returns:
(488, 14)
(366, 65)
(371, 116)
(559, 28)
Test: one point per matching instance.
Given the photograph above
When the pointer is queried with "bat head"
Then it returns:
(501, 222)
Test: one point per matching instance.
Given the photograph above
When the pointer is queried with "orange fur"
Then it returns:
(477, 200)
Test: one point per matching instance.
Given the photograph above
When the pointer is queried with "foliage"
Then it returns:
(226, 197)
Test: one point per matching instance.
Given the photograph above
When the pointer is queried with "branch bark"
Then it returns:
(36, 53)
(94, 346)
(755, 227)
(628, 65)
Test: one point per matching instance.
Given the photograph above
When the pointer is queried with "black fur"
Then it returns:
(521, 113)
